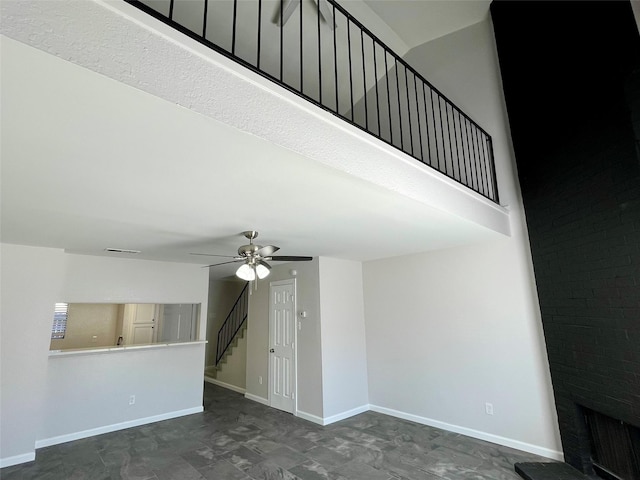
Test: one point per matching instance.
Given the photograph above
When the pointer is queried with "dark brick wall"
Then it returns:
(579, 171)
(584, 228)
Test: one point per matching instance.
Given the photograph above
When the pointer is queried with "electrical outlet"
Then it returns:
(488, 408)
(132, 400)
(260, 379)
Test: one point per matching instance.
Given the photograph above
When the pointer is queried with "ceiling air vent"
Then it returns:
(122, 250)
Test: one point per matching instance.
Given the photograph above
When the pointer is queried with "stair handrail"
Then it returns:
(232, 324)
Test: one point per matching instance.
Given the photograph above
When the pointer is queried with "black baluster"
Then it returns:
(259, 32)
(386, 74)
(426, 122)
(233, 34)
(281, 43)
(444, 148)
(375, 79)
(435, 128)
(446, 111)
(485, 171)
(301, 49)
(364, 79)
(406, 86)
(415, 89)
(395, 59)
(468, 171)
(495, 196)
(350, 67)
(319, 56)
(475, 159)
(335, 56)
(204, 20)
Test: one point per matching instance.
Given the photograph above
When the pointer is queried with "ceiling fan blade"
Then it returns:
(223, 263)
(290, 259)
(213, 255)
(267, 250)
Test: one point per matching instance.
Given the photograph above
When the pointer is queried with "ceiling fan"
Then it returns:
(287, 7)
(254, 258)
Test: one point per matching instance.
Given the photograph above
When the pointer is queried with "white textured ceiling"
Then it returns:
(90, 162)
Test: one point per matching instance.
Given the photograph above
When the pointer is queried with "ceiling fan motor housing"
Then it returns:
(248, 250)
(251, 249)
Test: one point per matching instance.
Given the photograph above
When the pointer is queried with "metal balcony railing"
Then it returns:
(317, 50)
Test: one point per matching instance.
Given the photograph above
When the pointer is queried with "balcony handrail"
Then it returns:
(399, 59)
(468, 146)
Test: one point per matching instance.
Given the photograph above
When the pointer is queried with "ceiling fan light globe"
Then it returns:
(262, 270)
(245, 272)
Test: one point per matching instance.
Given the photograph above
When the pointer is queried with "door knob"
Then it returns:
(272, 350)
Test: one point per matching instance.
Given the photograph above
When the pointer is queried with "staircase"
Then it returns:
(212, 370)
(231, 332)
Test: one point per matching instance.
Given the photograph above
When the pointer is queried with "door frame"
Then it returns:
(289, 281)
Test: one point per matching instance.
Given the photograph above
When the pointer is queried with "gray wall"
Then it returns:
(344, 355)
(451, 330)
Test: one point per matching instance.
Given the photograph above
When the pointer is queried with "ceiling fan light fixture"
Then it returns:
(245, 272)
(254, 259)
(263, 269)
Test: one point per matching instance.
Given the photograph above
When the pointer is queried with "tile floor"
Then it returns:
(238, 439)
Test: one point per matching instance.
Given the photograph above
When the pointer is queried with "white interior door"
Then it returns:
(282, 332)
(140, 323)
(142, 333)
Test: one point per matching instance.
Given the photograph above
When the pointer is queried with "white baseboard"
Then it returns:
(347, 414)
(225, 385)
(47, 442)
(256, 398)
(333, 418)
(489, 437)
(17, 459)
(310, 417)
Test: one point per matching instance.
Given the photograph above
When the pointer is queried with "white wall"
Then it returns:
(309, 359)
(91, 392)
(33, 279)
(30, 286)
(448, 331)
(344, 354)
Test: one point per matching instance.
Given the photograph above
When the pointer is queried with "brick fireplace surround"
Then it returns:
(571, 72)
